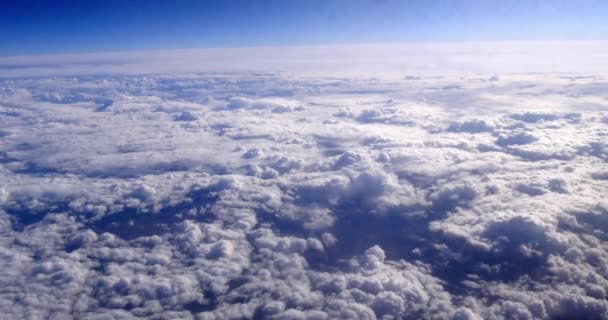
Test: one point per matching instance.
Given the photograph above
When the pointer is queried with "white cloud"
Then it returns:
(395, 60)
(243, 195)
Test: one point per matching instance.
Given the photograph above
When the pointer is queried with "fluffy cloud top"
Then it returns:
(231, 196)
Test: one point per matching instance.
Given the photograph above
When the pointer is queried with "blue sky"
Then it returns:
(41, 27)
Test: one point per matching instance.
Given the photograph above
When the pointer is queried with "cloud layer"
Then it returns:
(573, 58)
(230, 196)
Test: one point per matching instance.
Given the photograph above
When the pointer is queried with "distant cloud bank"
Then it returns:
(346, 60)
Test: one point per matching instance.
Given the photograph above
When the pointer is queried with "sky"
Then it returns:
(46, 27)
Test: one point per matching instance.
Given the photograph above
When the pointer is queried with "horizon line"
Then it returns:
(311, 45)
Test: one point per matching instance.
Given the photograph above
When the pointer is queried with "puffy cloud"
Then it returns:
(276, 105)
(515, 138)
(230, 196)
(471, 126)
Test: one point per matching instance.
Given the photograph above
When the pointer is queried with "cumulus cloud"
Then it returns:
(243, 195)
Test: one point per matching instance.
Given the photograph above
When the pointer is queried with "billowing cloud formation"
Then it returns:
(264, 196)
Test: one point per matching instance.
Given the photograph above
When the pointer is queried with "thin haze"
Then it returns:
(43, 27)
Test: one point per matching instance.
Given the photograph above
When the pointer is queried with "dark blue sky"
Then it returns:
(40, 27)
